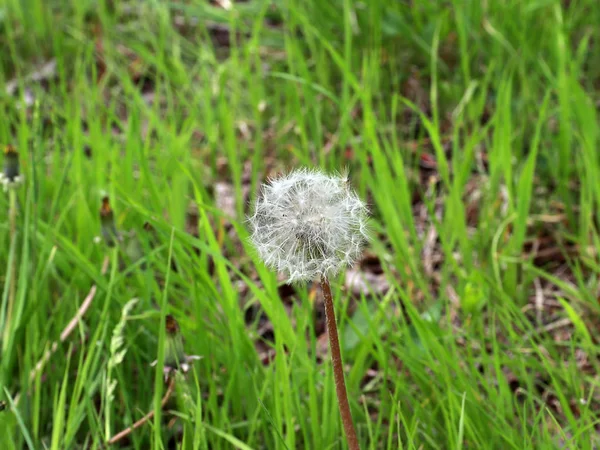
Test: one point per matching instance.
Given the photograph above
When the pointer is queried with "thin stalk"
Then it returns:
(117, 437)
(66, 332)
(12, 289)
(338, 368)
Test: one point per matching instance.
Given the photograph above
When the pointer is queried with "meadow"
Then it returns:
(470, 129)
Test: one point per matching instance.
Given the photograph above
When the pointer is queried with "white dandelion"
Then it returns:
(308, 224)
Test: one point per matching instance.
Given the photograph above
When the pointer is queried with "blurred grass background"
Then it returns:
(469, 127)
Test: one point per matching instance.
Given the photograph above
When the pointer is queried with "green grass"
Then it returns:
(455, 355)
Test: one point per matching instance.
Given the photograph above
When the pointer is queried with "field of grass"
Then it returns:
(471, 130)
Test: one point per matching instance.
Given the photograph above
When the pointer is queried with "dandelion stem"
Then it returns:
(12, 217)
(338, 369)
(117, 437)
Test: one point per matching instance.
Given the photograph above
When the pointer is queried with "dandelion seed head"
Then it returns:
(308, 224)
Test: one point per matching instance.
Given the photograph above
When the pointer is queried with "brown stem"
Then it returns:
(338, 369)
(117, 437)
(87, 302)
(65, 334)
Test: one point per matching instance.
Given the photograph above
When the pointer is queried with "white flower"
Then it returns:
(308, 224)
